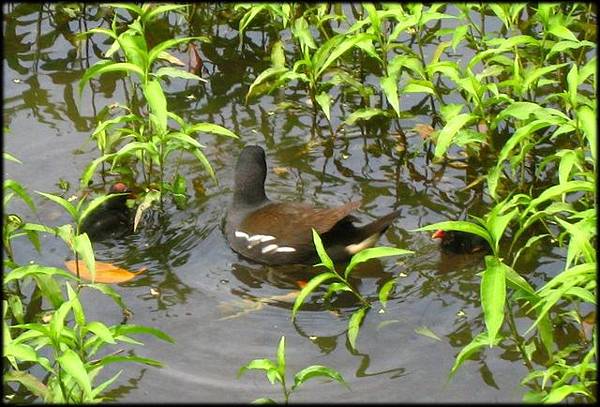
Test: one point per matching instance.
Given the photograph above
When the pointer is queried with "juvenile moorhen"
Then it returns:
(459, 242)
(279, 233)
(112, 218)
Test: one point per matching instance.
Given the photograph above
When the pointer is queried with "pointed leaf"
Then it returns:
(308, 288)
(315, 371)
(493, 295)
(373, 253)
(354, 325)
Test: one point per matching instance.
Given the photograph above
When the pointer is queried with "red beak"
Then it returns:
(439, 234)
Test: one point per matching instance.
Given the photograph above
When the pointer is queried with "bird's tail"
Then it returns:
(368, 234)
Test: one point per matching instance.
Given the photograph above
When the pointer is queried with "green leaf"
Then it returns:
(301, 31)
(10, 157)
(34, 269)
(32, 383)
(263, 77)
(62, 202)
(459, 34)
(157, 103)
(519, 110)
(323, 256)
(248, 17)
(385, 290)
(20, 351)
(559, 393)
(211, 128)
(205, 163)
(309, 288)
(154, 12)
(373, 253)
(538, 73)
(558, 190)
(419, 86)
(140, 329)
(95, 203)
(478, 342)
(177, 73)
(390, 89)
(325, 102)
(73, 365)
(76, 307)
(57, 324)
(496, 224)
(108, 66)
(561, 31)
(586, 119)
(101, 387)
(338, 51)
(186, 140)
(88, 173)
(19, 190)
(573, 83)
(315, 371)
(354, 325)
(519, 136)
(258, 364)
(364, 114)
(493, 295)
(281, 356)
(101, 330)
(450, 129)
(83, 246)
(277, 55)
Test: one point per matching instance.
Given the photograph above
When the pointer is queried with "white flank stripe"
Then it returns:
(241, 234)
(260, 238)
(269, 248)
(285, 249)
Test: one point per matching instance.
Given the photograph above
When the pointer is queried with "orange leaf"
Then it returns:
(105, 272)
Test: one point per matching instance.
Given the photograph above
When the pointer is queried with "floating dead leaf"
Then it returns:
(154, 292)
(423, 330)
(587, 325)
(458, 164)
(171, 58)
(237, 308)
(424, 130)
(105, 272)
(46, 318)
(281, 171)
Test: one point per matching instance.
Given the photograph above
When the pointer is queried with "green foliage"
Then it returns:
(149, 140)
(54, 358)
(341, 282)
(276, 373)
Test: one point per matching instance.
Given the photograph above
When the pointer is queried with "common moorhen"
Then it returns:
(459, 242)
(279, 233)
(112, 218)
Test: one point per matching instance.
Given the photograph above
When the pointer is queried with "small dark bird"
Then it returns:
(461, 242)
(112, 218)
(280, 232)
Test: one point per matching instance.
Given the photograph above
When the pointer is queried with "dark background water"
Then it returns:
(211, 301)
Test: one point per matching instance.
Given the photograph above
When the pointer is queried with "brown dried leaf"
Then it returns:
(281, 171)
(105, 272)
(424, 130)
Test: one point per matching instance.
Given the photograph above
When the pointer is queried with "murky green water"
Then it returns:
(210, 299)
